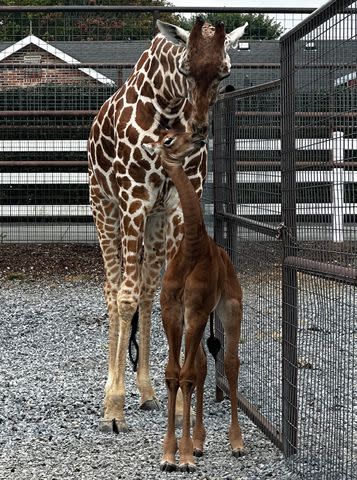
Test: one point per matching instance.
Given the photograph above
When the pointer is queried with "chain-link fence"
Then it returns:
(285, 208)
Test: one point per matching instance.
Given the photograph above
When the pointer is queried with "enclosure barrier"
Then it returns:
(295, 246)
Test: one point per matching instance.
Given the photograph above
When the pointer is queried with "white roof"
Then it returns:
(32, 39)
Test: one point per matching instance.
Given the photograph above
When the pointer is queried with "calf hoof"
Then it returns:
(197, 452)
(187, 467)
(238, 452)
(168, 466)
(153, 404)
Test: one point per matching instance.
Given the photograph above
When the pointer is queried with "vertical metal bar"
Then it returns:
(155, 16)
(289, 286)
(218, 227)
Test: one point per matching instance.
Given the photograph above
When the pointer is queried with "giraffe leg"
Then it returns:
(106, 218)
(199, 433)
(230, 312)
(173, 325)
(154, 256)
(173, 239)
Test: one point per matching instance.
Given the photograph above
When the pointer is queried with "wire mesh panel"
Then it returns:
(58, 64)
(247, 194)
(320, 256)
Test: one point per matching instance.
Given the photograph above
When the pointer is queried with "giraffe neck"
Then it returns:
(194, 226)
(159, 81)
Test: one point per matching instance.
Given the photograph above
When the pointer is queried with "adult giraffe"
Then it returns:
(135, 206)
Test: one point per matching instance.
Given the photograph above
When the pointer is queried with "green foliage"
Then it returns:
(89, 26)
(260, 27)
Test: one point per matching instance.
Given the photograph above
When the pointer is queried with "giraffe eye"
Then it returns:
(169, 141)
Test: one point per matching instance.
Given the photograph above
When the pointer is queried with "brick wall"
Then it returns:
(24, 77)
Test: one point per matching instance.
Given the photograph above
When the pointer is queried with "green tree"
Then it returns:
(260, 27)
(81, 25)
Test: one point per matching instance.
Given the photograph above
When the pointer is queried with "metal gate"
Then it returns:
(285, 181)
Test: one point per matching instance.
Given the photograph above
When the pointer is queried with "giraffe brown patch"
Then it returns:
(171, 64)
(145, 164)
(126, 222)
(129, 283)
(131, 259)
(176, 220)
(155, 44)
(107, 127)
(153, 67)
(131, 95)
(140, 80)
(137, 173)
(161, 101)
(103, 182)
(102, 161)
(119, 168)
(95, 131)
(130, 269)
(138, 220)
(140, 192)
(132, 134)
(169, 244)
(155, 179)
(135, 206)
(147, 90)
(145, 114)
(125, 182)
(177, 231)
(123, 204)
(158, 80)
(131, 231)
(164, 63)
(125, 195)
(126, 115)
(108, 147)
(193, 162)
(124, 152)
(114, 183)
(92, 152)
(158, 164)
(102, 112)
(166, 47)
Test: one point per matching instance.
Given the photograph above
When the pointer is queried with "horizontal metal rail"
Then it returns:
(247, 223)
(235, 66)
(43, 163)
(329, 272)
(250, 91)
(48, 113)
(151, 9)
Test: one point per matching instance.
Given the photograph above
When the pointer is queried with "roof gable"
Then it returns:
(32, 39)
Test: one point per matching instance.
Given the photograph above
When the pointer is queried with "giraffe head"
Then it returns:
(174, 146)
(204, 62)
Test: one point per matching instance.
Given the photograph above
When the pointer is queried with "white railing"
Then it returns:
(337, 178)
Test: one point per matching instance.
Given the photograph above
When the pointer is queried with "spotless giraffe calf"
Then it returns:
(199, 279)
(135, 207)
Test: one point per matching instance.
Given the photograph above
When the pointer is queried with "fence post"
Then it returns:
(289, 275)
(338, 154)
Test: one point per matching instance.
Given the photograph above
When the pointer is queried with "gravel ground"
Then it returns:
(52, 375)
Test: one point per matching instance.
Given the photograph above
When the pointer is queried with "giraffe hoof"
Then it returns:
(197, 452)
(113, 426)
(166, 466)
(238, 452)
(153, 404)
(187, 467)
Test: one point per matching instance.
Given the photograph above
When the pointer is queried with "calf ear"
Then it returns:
(149, 148)
(173, 33)
(233, 37)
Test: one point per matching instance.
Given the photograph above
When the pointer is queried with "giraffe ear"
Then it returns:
(173, 33)
(233, 37)
(149, 148)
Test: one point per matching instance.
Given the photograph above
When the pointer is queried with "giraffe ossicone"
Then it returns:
(135, 207)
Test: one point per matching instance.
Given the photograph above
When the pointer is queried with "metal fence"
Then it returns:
(285, 208)
(58, 65)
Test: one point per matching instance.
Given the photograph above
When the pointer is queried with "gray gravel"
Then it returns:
(52, 375)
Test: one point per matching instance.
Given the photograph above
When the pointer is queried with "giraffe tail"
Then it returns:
(213, 343)
(133, 344)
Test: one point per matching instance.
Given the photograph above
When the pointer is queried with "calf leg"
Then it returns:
(199, 433)
(230, 312)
